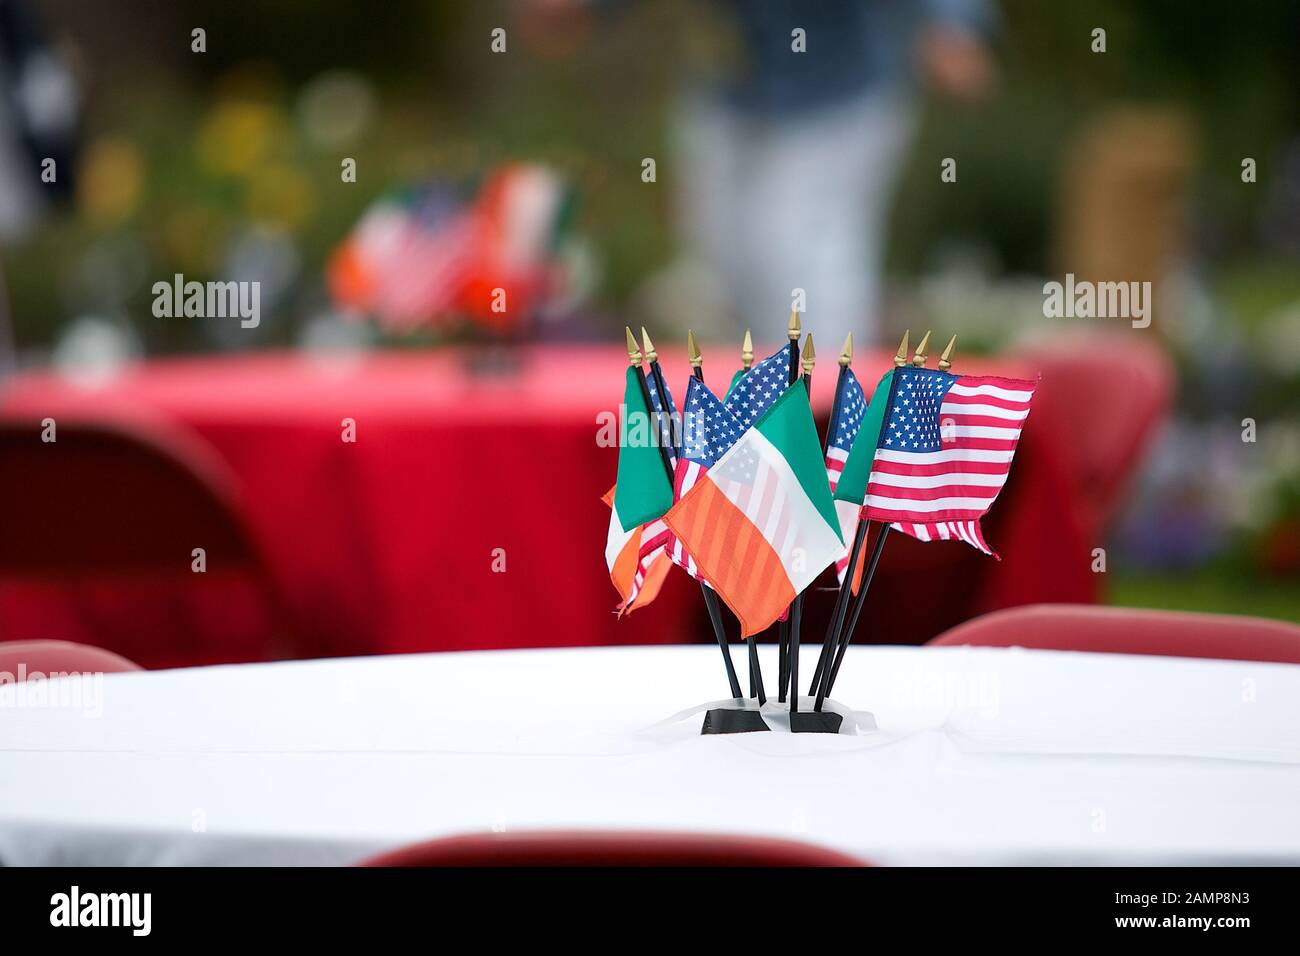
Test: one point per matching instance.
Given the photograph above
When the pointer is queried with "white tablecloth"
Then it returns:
(982, 756)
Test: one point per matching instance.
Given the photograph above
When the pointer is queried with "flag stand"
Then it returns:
(710, 598)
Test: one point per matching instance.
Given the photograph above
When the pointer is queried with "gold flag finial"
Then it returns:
(919, 358)
(945, 360)
(846, 353)
(650, 354)
(900, 358)
(795, 329)
(633, 350)
(693, 350)
(808, 357)
(747, 351)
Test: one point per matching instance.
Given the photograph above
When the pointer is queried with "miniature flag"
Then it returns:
(945, 452)
(851, 485)
(666, 419)
(658, 546)
(842, 432)
(650, 570)
(708, 430)
(760, 523)
(642, 492)
(755, 391)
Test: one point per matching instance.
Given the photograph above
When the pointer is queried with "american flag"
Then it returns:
(758, 388)
(842, 432)
(945, 452)
(665, 413)
(407, 261)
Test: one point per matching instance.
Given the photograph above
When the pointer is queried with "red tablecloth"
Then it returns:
(386, 544)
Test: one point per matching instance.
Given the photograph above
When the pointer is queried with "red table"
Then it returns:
(386, 544)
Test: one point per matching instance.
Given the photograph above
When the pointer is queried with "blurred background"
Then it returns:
(1128, 161)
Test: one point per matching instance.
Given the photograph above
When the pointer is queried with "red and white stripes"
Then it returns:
(940, 495)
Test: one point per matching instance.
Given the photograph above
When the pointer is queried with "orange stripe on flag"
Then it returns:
(625, 565)
(733, 555)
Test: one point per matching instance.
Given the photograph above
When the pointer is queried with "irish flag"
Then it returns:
(641, 495)
(760, 523)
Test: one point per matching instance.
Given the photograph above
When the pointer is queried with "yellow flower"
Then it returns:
(112, 176)
(237, 137)
(281, 195)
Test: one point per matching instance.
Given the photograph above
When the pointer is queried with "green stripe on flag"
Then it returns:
(643, 492)
(852, 485)
(789, 426)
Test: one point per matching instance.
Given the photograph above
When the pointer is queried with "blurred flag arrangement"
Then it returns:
(424, 257)
(846, 420)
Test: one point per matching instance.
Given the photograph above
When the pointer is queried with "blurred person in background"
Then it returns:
(38, 115)
(789, 151)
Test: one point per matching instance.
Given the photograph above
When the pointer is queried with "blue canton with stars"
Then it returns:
(708, 429)
(659, 404)
(760, 387)
(848, 417)
(913, 420)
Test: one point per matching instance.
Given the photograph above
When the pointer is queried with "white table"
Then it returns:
(982, 756)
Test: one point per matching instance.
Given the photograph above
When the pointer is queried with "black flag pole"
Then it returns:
(710, 599)
(855, 554)
(846, 635)
(918, 360)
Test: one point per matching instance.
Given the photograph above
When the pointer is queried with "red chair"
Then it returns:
(612, 848)
(1117, 630)
(49, 657)
(97, 540)
(1112, 392)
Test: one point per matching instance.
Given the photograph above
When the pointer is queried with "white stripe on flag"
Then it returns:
(923, 506)
(981, 431)
(1007, 394)
(615, 539)
(783, 509)
(944, 457)
(939, 481)
(992, 411)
